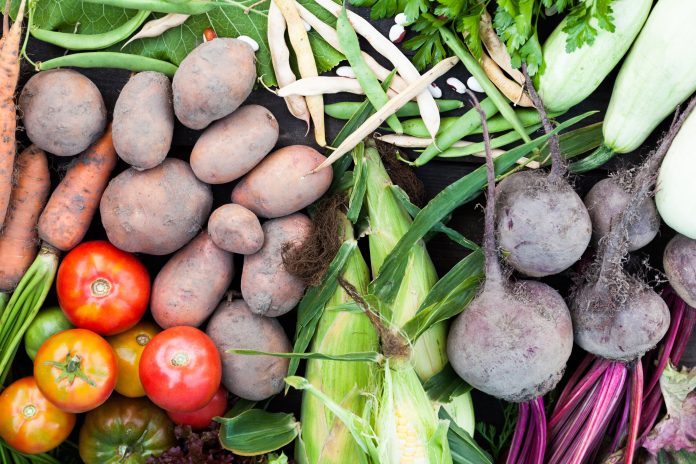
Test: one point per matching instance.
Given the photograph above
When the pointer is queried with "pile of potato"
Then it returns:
(161, 205)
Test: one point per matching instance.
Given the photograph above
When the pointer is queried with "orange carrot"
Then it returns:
(69, 212)
(9, 73)
(19, 242)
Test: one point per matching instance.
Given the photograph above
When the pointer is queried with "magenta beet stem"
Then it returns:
(599, 367)
(666, 350)
(621, 425)
(539, 447)
(573, 380)
(518, 436)
(636, 403)
(565, 440)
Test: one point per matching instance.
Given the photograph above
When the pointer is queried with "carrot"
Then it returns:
(9, 74)
(18, 241)
(69, 212)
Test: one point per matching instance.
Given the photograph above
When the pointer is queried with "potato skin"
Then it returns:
(62, 111)
(232, 146)
(255, 378)
(267, 287)
(281, 183)
(212, 81)
(156, 211)
(143, 124)
(191, 284)
(235, 229)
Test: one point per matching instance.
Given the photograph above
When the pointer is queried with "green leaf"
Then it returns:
(256, 432)
(311, 306)
(530, 53)
(387, 283)
(240, 406)
(234, 18)
(366, 356)
(462, 446)
(446, 385)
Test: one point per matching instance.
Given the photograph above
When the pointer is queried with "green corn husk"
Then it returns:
(388, 222)
(407, 426)
(326, 439)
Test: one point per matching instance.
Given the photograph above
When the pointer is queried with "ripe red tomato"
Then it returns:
(201, 418)
(102, 288)
(29, 422)
(180, 369)
(76, 370)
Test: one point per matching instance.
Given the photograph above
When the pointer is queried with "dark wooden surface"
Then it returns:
(435, 176)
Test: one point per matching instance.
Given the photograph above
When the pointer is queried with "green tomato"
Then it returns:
(125, 431)
(48, 322)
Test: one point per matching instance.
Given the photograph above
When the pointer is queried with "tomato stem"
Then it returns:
(101, 287)
(180, 359)
(71, 369)
(29, 411)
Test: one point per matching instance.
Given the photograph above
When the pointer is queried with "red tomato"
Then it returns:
(29, 422)
(76, 370)
(102, 288)
(180, 369)
(201, 418)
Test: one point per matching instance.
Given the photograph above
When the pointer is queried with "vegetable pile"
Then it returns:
(264, 292)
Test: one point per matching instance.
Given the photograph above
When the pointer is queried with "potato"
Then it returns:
(143, 124)
(267, 287)
(62, 111)
(232, 146)
(212, 81)
(281, 183)
(156, 211)
(255, 378)
(235, 229)
(191, 284)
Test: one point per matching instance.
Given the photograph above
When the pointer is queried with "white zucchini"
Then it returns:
(569, 78)
(659, 73)
(676, 184)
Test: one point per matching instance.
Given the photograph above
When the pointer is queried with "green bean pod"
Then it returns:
(192, 7)
(71, 41)
(127, 61)
(345, 110)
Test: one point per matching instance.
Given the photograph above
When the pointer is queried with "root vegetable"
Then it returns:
(9, 70)
(62, 111)
(235, 229)
(71, 207)
(189, 287)
(212, 81)
(156, 211)
(605, 202)
(679, 261)
(232, 146)
(19, 240)
(514, 339)
(268, 288)
(143, 124)
(255, 378)
(280, 184)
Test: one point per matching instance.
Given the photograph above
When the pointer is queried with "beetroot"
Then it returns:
(679, 261)
(608, 198)
(514, 339)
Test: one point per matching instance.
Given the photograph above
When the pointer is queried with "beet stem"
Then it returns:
(687, 328)
(558, 166)
(494, 275)
(528, 436)
(668, 344)
(573, 380)
(539, 448)
(599, 367)
(636, 404)
(621, 424)
(518, 436)
(565, 439)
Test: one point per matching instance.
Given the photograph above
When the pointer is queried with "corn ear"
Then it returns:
(407, 426)
(325, 438)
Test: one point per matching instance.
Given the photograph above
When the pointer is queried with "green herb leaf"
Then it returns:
(256, 432)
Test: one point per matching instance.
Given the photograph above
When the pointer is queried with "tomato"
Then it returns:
(29, 422)
(76, 370)
(102, 288)
(129, 346)
(125, 431)
(201, 418)
(180, 369)
(48, 322)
